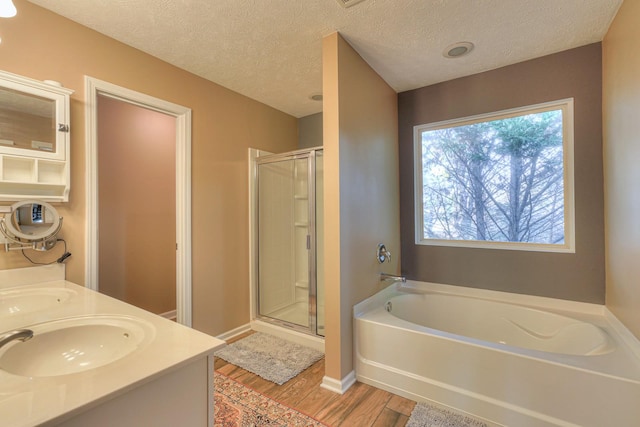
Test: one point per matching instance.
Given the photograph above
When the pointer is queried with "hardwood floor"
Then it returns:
(361, 406)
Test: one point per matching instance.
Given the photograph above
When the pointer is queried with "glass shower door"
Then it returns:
(284, 241)
(319, 233)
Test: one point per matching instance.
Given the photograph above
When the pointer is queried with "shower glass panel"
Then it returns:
(319, 232)
(283, 227)
(290, 242)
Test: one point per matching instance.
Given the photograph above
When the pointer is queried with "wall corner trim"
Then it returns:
(339, 386)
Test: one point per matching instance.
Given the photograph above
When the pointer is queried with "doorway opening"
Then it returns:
(132, 244)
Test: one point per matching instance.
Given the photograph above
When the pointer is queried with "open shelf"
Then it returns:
(29, 177)
(18, 169)
(51, 172)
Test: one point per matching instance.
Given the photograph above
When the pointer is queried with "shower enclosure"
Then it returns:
(288, 221)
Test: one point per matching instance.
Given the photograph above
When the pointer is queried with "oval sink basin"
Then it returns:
(21, 301)
(73, 345)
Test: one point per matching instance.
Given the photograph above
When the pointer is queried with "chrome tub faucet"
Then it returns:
(385, 276)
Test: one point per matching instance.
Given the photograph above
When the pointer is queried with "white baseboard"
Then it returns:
(306, 340)
(339, 386)
(235, 332)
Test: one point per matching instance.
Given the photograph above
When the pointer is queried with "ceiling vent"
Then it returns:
(348, 3)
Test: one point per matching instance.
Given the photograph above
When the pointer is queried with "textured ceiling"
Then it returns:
(271, 50)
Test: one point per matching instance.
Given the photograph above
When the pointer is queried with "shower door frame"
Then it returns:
(310, 155)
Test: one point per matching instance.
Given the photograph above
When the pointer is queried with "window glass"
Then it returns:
(501, 180)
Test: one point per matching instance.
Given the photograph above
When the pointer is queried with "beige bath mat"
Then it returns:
(269, 357)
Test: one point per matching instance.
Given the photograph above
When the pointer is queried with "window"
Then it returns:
(502, 180)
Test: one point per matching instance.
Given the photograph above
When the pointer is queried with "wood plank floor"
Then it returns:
(361, 406)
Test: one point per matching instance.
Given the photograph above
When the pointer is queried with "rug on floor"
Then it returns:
(239, 406)
(269, 357)
(425, 415)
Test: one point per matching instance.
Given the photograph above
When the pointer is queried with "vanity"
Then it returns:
(70, 356)
(95, 361)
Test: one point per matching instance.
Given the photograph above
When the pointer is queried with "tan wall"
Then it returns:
(361, 190)
(137, 205)
(621, 108)
(42, 45)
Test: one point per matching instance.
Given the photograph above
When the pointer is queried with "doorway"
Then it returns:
(129, 254)
(136, 205)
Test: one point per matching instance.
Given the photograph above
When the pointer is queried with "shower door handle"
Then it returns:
(308, 242)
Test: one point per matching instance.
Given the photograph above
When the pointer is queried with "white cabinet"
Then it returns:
(34, 139)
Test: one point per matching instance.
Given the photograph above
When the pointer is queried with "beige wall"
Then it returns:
(137, 205)
(621, 109)
(579, 276)
(42, 45)
(361, 191)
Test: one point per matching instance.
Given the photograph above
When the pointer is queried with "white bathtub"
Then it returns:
(509, 359)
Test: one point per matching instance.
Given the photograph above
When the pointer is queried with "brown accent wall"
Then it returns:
(621, 110)
(574, 74)
(42, 45)
(310, 131)
(360, 127)
(137, 205)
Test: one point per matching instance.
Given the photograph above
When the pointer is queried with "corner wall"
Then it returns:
(310, 131)
(361, 191)
(42, 45)
(621, 110)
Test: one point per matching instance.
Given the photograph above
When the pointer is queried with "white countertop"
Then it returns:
(31, 401)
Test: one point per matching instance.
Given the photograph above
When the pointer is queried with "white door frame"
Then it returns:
(93, 88)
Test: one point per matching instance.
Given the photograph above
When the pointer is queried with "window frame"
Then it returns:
(566, 105)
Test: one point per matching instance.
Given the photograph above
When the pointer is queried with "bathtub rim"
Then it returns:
(553, 305)
(597, 324)
(532, 301)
